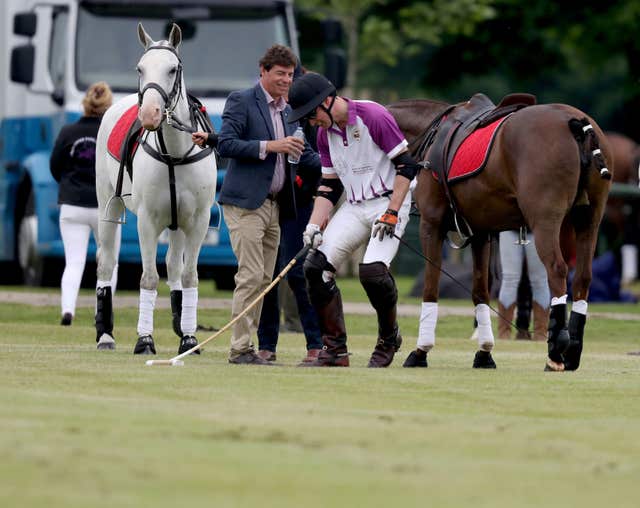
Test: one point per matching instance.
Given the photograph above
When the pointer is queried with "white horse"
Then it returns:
(167, 115)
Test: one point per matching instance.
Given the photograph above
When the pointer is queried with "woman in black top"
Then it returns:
(72, 165)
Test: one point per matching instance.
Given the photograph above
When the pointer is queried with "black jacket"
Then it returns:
(73, 162)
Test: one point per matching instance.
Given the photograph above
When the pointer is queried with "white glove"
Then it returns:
(312, 236)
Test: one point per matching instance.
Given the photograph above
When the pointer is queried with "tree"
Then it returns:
(380, 32)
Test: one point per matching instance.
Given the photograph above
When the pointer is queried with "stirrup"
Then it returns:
(522, 237)
(121, 216)
(457, 239)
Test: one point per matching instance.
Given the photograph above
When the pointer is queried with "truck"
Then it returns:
(52, 50)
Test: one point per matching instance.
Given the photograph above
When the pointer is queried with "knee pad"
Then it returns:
(320, 291)
(379, 284)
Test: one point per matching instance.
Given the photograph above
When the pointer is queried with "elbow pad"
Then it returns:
(336, 189)
(406, 166)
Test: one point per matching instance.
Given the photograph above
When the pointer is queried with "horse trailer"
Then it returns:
(53, 50)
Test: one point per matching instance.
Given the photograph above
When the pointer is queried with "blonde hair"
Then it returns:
(97, 99)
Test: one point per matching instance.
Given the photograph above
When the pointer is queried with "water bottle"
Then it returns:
(299, 133)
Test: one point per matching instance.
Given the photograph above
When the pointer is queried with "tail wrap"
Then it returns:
(587, 140)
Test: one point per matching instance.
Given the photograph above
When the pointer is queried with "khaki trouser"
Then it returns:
(255, 236)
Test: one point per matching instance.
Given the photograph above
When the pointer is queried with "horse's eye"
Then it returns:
(138, 70)
(173, 71)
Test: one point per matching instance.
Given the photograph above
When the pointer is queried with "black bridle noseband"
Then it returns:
(171, 99)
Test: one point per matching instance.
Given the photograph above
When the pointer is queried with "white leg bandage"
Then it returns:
(580, 307)
(145, 316)
(560, 300)
(427, 330)
(629, 263)
(485, 333)
(189, 319)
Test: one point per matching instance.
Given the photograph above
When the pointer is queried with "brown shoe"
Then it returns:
(327, 359)
(267, 355)
(312, 356)
(249, 358)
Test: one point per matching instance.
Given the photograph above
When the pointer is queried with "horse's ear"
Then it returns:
(175, 37)
(145, 40)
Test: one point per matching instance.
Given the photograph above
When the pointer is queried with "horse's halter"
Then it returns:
(171, 99)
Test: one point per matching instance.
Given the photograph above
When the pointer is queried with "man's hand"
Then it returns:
(312, 236)
(199, 138)
(291, 145)
(386, 224)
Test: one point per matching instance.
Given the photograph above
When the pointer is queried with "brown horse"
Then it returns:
(541, 172)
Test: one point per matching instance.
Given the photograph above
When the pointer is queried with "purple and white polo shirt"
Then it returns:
(361, 154)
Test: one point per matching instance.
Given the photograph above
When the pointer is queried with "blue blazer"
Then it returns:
(245, 122)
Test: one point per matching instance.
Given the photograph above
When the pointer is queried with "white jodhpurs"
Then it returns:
(352, 225)
(76, 225)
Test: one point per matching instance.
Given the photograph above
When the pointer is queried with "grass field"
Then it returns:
(82, 428)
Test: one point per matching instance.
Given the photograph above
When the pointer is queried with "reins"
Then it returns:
(442, 270)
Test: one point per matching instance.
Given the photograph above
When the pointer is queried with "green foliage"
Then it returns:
(584, 53)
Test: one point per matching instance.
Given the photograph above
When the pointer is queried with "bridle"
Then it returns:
(170, 99)
(198, 119)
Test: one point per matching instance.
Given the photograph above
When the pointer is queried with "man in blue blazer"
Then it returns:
(259, 185)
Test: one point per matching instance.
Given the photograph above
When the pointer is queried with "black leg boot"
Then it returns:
(334, 334)
(381, 289)
(558, 341)
(176, 311)
(576, 333)
(104, 319)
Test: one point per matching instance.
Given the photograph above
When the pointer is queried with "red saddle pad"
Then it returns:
(119, 132)
(472, 154)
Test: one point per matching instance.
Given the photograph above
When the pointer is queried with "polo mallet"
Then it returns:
(177, 360)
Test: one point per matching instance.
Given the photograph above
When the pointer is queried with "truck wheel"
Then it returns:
(36, 270)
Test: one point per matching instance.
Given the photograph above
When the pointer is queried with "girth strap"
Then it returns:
(172, 183)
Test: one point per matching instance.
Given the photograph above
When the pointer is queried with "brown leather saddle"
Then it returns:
(445, 135)
(463, 120)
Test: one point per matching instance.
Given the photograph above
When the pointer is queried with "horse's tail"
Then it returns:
(589, 146)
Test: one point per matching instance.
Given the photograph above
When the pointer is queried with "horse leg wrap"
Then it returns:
(558, 341)
(189, 316)
(176, 311)
(104, 312)
(381, 289)
(145, 311)
(576, 333)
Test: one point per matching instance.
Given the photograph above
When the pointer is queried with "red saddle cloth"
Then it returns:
(119, 132)
(472, 155)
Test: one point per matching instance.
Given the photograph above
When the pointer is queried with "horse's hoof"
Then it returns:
(552, 366)
(106, 343)
(187, 342)
(145, 346)
(483, 360)
(417, 358)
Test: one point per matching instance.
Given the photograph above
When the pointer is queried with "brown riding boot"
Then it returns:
(334, 335)
(385, 350)
(540, 322)
(504, 320)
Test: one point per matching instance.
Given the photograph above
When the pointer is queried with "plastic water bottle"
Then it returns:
(299, 133)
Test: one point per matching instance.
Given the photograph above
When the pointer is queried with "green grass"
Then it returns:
(82, 428)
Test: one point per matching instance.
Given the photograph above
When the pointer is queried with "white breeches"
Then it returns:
(352, 225)
(76, 224)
